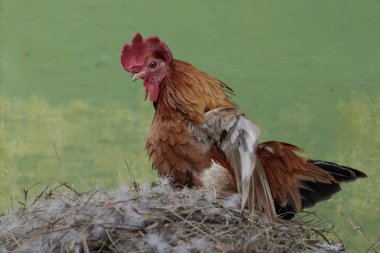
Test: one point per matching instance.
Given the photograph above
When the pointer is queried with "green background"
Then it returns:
(306, 71)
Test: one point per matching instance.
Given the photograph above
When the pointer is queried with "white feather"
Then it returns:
(237, 137)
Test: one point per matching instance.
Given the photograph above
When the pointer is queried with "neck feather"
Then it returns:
(190, 91)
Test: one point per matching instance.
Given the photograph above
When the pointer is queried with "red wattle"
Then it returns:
(152, 89)
(154, 93)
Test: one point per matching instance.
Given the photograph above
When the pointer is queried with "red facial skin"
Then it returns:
(147, 59)
(155, 73)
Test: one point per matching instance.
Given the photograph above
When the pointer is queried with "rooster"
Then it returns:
(199, 138)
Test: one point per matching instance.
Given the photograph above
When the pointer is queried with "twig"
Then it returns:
(56, 153)
(195, 227)
(43, 191)
(85, 246)
(70, 188)
(373, 245)
(14, 238)
(82, 180)
(132, 176)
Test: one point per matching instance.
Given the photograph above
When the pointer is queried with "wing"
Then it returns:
(296, 182)
(237, 137)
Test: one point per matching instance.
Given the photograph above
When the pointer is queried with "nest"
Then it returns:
(153, 218)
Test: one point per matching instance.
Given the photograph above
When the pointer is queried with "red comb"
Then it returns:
(133, 55)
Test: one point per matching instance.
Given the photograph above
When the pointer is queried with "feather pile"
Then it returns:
(152, 218)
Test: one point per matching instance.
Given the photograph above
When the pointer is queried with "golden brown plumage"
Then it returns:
(201, 139)
(191, 91)
(172, 148)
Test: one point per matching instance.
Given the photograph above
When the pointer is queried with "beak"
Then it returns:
(138, 75)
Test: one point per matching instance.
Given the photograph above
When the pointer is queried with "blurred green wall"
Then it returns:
(307, 71)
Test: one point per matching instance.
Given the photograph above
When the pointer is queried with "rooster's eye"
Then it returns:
(152, 65)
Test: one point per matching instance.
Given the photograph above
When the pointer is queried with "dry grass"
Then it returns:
(153, 218)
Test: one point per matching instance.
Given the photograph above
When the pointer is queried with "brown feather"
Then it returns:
(285, 169)
(191, 91)
(185, 95)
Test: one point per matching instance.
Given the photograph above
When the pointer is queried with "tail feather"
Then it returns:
(313, 192)
(340, 173)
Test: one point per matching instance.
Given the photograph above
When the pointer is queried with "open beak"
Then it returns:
(138, 75)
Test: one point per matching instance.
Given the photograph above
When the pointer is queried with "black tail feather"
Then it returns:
(314, 192)
(340, 173)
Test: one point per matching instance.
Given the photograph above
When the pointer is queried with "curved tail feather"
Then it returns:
(340, 173)
(296, 182)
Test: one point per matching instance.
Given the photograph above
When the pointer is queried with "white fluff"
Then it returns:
(157, 243)
(233, 201)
